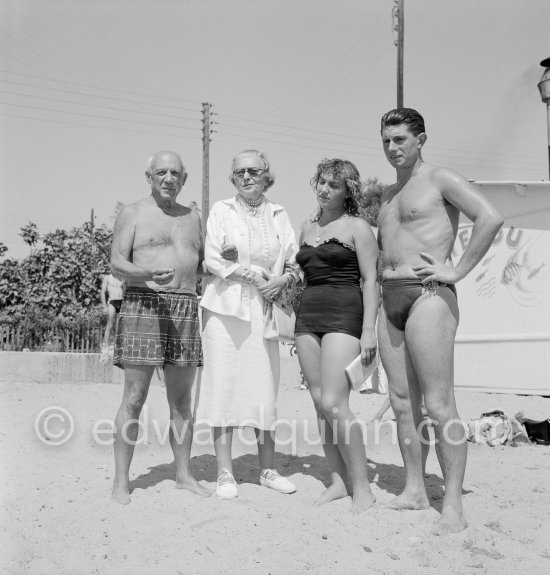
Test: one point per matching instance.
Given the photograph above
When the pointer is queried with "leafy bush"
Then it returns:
(58, 286)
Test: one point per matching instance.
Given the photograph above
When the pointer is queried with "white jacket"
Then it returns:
(231, 297)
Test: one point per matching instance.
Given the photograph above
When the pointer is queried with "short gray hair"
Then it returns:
(269, 175)
(151, 159)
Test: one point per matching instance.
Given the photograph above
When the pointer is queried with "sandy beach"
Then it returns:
(58, 516)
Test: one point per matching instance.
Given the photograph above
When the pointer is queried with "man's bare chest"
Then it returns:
(178, 231)
(408, 206)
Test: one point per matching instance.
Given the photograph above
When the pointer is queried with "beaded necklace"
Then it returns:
(251, 206)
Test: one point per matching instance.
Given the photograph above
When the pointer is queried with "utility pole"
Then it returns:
(92, 225)
(544, 89)
(398, 14)
(205, 164)
(92, 238)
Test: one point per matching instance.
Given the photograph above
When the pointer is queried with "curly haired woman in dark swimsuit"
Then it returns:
(336, 321)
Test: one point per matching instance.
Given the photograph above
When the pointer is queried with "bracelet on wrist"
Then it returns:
(248, 276)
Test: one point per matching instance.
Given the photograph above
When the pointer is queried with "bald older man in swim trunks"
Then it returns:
(418, 223)
(157, 250)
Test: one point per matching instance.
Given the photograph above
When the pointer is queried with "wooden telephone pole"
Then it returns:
(398, 14)
(205, 163)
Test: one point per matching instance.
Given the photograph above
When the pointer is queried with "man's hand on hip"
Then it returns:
(433, 270)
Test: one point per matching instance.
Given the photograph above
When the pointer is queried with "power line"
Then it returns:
(264, 131)
(374, 141)
(77, 93)
(361, 143)
(18, 59)
(318, 84)
(103, 107)
(68, 49)
(296, 144)
(101, 88)
(266, 122)
(36, 53)
(364, 142)
(295, 140)
(452, 159)
(349, 83)
(113, 128)
(99, 117)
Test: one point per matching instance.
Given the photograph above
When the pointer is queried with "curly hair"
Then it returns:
(269, 175)
(346, 171)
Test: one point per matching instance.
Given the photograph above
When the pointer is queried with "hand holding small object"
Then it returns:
(163, 276)
(229, 252)
(368, 344)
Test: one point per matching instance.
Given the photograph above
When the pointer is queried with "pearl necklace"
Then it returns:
(319, 231)
(251, 206)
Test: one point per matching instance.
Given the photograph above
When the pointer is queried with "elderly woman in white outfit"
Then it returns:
(250, 251)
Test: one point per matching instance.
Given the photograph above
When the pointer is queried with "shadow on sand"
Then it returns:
(386, 476)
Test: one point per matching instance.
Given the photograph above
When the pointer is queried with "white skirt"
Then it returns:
(240, 378)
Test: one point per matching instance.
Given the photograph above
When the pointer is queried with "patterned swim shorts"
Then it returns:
(158, 327)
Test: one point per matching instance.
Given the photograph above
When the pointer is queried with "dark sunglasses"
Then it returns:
(253, 172)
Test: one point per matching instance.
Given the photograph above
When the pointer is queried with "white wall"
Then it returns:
(503, 340)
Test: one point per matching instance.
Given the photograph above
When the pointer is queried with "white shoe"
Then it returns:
(270, 478)
(226, 485)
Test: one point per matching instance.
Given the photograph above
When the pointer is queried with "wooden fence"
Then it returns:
(84, 339)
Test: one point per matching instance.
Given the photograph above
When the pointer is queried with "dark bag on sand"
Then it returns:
(538, 431)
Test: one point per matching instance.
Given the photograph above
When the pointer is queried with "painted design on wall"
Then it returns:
(522, 275)
(515, 263)
(488, 288)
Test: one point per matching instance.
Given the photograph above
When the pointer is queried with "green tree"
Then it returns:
(30, 235)
(66, 273)
(372, 190)
(58, 284)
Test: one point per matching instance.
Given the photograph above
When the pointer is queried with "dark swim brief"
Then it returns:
(158, 327)
(116, 303)
(399, 295)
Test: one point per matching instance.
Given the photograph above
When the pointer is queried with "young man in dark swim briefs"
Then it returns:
(157, 250)
(418, 223)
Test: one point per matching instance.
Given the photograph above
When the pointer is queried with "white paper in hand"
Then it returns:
(357, 373)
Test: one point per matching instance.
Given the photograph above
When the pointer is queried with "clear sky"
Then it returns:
(90, 88)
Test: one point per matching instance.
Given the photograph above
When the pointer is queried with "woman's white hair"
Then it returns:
(269, 175)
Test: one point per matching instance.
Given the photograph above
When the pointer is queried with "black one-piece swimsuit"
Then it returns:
(332, 301)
